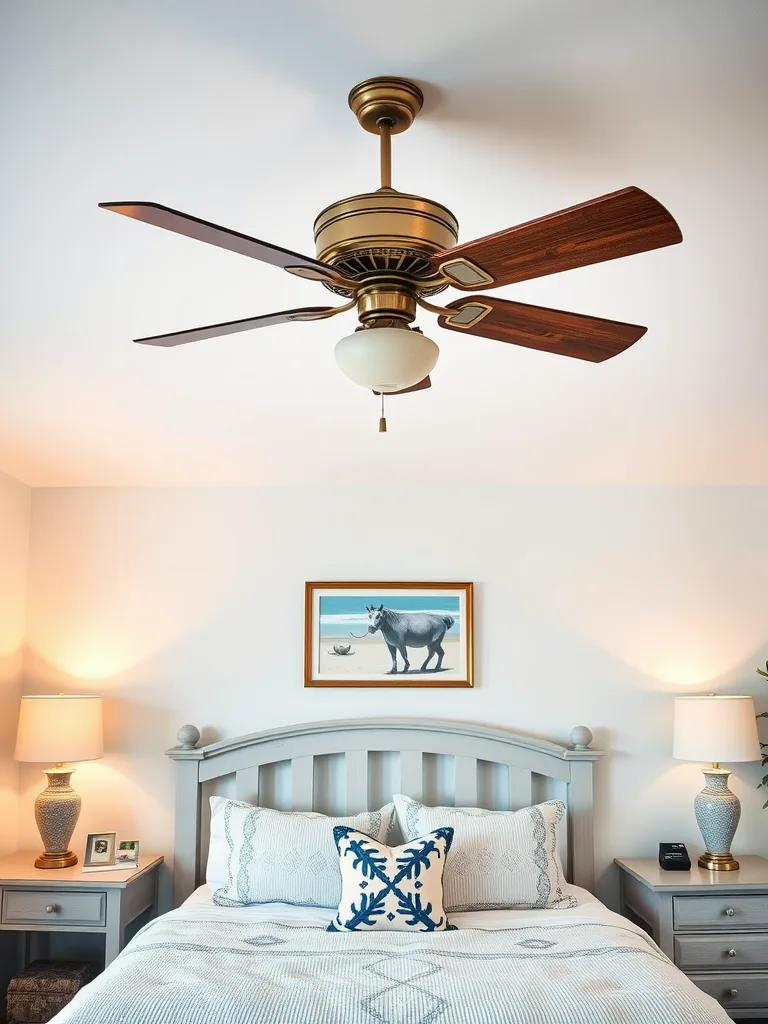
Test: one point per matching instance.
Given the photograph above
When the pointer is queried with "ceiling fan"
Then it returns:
(388, 252)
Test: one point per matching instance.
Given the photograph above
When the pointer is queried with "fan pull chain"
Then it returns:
(382, 419)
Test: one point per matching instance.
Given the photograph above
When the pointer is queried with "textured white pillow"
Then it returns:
(278, 856)
(217, 865)
(499, 859)
(387, 888)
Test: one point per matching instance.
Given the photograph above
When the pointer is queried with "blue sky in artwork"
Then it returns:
(342, 613)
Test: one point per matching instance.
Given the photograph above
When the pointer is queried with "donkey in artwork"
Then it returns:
(410, 629)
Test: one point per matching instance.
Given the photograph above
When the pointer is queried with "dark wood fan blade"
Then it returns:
(619, 224)
(550, 330)
(204, 231)
(421, 386)
(235, 326)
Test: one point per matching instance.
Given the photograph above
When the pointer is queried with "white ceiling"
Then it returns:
(236, 112)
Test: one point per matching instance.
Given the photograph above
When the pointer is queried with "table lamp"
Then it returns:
(58, 728)
(716, 728)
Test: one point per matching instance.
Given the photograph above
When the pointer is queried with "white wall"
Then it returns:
(594, 606)
(14, 545)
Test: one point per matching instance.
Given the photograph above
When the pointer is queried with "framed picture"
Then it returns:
(127, 855)
(99, 849)
(388, 634)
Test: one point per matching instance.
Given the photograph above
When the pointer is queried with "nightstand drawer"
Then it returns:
(720, 912)
(737, 991)
(721, 952)
(53, 908)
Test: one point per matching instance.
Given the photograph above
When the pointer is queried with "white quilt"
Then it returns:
(275, 964)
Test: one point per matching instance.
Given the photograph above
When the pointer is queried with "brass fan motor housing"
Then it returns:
(385, 237)
(385, 232)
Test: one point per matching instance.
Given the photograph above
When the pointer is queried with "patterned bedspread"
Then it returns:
(190, 968)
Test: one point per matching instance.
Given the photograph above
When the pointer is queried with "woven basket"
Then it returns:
(37, 993)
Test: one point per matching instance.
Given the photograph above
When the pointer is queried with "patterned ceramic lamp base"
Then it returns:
(57, 809)
(717, 811)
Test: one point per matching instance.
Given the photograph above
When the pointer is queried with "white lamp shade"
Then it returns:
(715, 728)
(386, 358)
(57, 728)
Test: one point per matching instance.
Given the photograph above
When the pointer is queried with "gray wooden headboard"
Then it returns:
(350, 766)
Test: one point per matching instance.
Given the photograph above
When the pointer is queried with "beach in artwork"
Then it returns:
(370, 656)
(342, 615)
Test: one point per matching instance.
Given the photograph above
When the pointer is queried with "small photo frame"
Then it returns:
(99, 849)
(127, 854)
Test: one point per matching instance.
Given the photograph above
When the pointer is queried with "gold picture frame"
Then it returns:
(366, 634)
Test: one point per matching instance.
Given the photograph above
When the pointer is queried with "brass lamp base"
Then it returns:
(718, 862)
(717, 812)
(56, 860)
(57, 809)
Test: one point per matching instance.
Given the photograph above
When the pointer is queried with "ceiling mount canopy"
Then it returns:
(387, 252)
(393, 100)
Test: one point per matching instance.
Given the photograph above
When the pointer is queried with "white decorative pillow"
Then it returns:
(387, 888)
(281, 857)
(500, 859)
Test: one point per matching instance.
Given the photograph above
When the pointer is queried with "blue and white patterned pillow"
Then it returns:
(396, 888)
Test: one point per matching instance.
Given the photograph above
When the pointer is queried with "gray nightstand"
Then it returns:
(713, 925)
(68, 900)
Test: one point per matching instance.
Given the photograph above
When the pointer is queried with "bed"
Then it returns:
(274, 963)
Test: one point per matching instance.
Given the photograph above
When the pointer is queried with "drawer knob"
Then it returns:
(729, 911)
(731, 952)
(733, 993)
(51, 908)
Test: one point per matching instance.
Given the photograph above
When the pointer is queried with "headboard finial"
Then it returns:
(581, 737)
(188, 736)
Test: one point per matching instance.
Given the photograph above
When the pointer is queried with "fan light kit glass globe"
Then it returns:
(386, 359)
